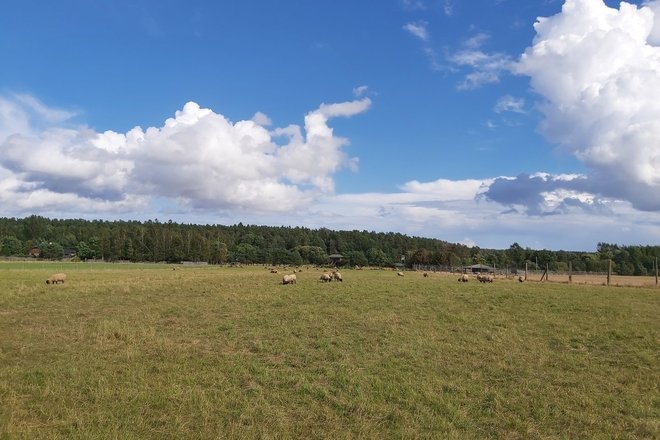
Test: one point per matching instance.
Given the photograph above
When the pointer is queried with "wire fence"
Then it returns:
(569, 277)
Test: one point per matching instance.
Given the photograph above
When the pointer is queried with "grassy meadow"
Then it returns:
(148, 352)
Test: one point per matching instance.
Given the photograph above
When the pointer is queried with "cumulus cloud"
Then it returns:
(598, 71)
(315, 158)
(546, 194)
(444, 189)
(24, 114)
(262, 119)
(200, 167)
(654, 36)
(197, 159)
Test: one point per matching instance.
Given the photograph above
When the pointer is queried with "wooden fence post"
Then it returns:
(609, 271)
(656, 271)
(570, 271)
(547, 273)
(526, 270)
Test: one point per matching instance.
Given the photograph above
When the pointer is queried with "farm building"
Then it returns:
(479, 268)
(335, 259)
(35, 252)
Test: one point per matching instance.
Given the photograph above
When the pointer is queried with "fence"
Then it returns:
(571, 277)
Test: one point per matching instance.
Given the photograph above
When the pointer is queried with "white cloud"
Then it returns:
(444, 189)
(197, 159)
(360, 91)
(262, 119)
(51, 115)
(486, 67)
(508, 103)
(654, 36)
(418, 29)
(413, 5)
(545, 194)
(200, 167)
(25, 114)
(483, 67)
(313, 160)
(461, 211)
(598, 71)
(476, 41)
(342, 109)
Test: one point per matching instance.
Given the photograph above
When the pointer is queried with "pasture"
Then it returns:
(148, 352)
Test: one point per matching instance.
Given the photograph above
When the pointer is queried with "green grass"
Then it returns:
(144, 351)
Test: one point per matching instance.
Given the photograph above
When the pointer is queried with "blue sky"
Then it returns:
(449, 119)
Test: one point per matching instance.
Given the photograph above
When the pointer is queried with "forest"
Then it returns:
(153, 241)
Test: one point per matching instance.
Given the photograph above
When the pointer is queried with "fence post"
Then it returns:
(526, 270)
(547, 273)
(570, 272)
(609, 271)
(656, 271)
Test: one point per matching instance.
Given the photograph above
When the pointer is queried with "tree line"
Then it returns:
(172, 242)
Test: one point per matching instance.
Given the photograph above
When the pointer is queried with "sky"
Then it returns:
(482, 122)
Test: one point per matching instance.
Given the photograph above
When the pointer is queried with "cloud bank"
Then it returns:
(459, 211)
(597, 70)
(200, 167)
(198, 159)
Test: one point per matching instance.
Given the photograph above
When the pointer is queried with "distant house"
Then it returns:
(69, 253)
(35, 251)
(480, 268)
(335, 259)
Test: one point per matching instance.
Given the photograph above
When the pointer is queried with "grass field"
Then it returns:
(594, 279)
(147, 352)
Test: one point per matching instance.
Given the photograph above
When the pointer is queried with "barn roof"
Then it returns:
(480, 266)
